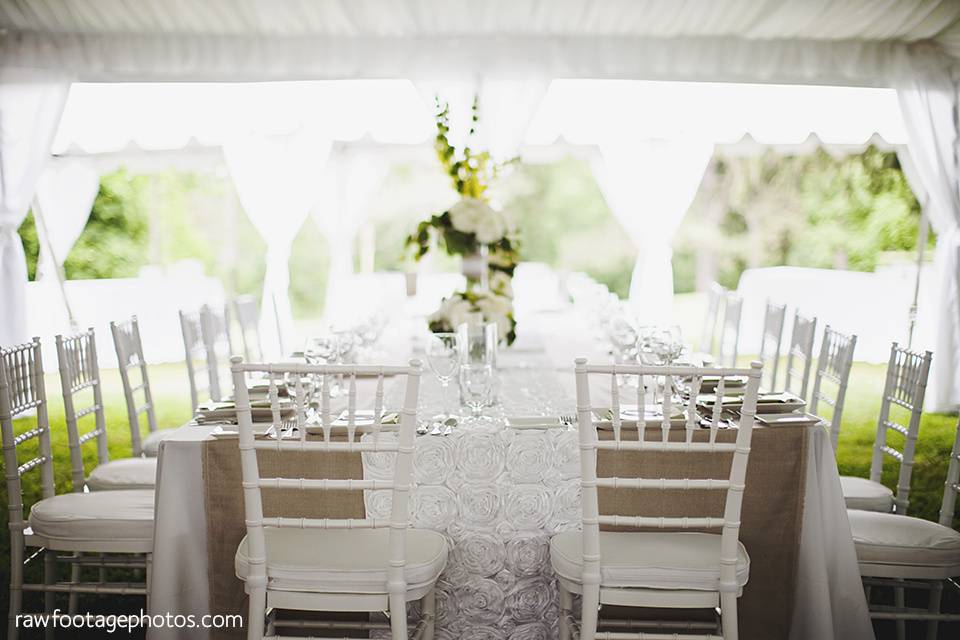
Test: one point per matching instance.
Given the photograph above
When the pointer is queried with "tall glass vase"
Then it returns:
(476, 268)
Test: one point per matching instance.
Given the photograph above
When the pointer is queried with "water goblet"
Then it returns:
(476, 382)
(443, 358)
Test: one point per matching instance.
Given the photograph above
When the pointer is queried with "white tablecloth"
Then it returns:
(499, 494)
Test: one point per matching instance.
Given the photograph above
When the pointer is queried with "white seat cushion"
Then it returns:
(97, 516)
(860, 493)
(649, 560)
(151, 444)
(344, 561)
(127, 473)
(886, 538)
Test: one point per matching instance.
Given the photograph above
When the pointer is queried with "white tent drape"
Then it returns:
(65, 194)
(929, 104)
(277, 178)
(349, 185)
(29, 112)
(649, 185)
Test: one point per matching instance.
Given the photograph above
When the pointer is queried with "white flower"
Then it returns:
(471, 215)
(491, 228)
(498, 309)
(501, 283)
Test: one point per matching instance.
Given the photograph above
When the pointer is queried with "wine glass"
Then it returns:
(320, 350)
(443, 357)
(476, 381)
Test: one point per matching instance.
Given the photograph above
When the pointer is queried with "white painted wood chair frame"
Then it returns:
(22, 393)
(771, 341)
(906, 386)
(247, 313)
(79, 371)
(218, 343)
(901, 576)
(202, 383)
(833, 365)
(730, 330)
(262, 600)
(802, 337)
(129, 348)
(708, 335)
(593, 591)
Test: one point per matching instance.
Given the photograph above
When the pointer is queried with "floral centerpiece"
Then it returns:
(484, 236)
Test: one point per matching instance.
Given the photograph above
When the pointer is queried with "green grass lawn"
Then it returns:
(169, 383)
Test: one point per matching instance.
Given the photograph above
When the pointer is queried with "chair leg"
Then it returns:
(148, 572)
(255, 612)
(49, 597)
(73, 600)
(398, 616)
(899, 601)
(429, 609)
(933, 626)
(566, 611)
(728, 615)
(591, 611)
(16, 585)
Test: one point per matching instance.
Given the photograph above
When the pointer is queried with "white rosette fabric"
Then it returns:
(498, 494)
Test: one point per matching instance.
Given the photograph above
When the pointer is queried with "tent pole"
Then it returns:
(923, 233)
(44, 237)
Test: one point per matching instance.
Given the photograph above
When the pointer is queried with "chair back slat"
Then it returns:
(317, 377)
(129, 348)
(218, 345)
(771, 340)
(715, 295)
(833, 366)
(800, 354)
(951, 487)
(79, 371)
(23, 395)
(905, 386)
(730, 330)
(733, 484)
(247, 313)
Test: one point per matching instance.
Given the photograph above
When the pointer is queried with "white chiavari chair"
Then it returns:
(136, 382)
(218, 342)
(905, 387)
(247, 312)
(330, 564)
(80, 382)
(832, 377)
(902, 552)
(730, 330)
(715, 295)
(771, 340)
(797, 374)
(202, 381)
(116, 523)
(690, 569)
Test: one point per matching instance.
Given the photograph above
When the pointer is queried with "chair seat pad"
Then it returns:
(344, 561)
(649, 560)
(860, 493)
(127, 473)
(151, 444)
(887, 538)
(96, 516)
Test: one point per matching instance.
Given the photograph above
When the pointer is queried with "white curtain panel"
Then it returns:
(349, 185)
(29, 112)
(929, 104)
(277, 178)
(65, 194)
(649, 185)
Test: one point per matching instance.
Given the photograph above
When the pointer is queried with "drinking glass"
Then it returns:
(323, 349)
(476, 381)
(443, 357)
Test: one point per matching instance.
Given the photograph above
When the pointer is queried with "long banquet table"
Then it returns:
(498, 494)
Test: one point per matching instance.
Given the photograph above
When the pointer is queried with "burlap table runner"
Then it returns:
(770, 530)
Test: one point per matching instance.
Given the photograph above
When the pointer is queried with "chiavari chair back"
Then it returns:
(247, 312)
(715, 295)
(730, 330)
(136, 384)
(771, 340)
(800, 354)
(832, 377)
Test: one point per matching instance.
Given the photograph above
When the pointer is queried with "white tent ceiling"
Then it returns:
(821, 41)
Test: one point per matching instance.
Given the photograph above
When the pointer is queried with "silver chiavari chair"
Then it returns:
(706, 570)
(801, 349)
(202, 380)
(136, 382)
(832, 377)
(316, 564)
(116, 523)
(902, 552)
(905, 387)
(247, 312)
(80, 382)
(730, 330)
(771, 340)
(715, 295)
